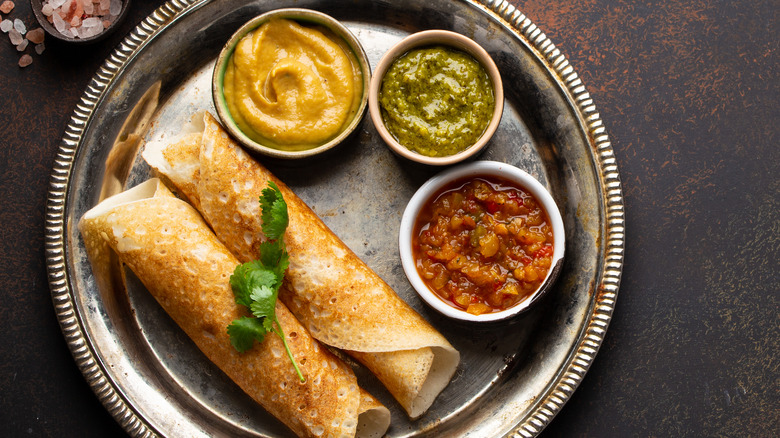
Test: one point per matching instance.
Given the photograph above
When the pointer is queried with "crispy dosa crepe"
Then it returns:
(340, 300)
(169, 247)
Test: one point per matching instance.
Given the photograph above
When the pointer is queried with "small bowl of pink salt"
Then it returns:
(79, 21)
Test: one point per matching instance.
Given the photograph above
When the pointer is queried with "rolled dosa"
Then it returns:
(340, 300)
(174, 253)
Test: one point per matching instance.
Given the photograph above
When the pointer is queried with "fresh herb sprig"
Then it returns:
(256, 284)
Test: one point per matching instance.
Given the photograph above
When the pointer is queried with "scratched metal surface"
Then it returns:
(512, 380)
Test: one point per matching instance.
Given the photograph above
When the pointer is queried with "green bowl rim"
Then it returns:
(299, 15)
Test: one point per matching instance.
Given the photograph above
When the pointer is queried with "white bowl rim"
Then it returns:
(447, 38)
(475, 169)
(295, 14)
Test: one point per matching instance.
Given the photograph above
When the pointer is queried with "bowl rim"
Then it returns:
(300, 15)
(427, 38)
(37, 8)
(425, 193)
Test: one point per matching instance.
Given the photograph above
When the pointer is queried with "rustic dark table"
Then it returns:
(688, 91)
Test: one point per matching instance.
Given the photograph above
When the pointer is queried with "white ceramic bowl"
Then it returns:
(428, 38)
(304, 16)
(475, 169)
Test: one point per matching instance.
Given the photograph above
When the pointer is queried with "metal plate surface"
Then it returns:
(513, 378)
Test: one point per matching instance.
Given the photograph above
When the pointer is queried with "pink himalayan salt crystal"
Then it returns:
(39, 48)
(91, 22)
(21, 46)
(91, 28)
(68, 16)
(15, 37)
(71, 10)
(115, 7)
(25, 60)
(7, 7)
(6, 25)
(36, 35)
(19, 26)
(59, 23)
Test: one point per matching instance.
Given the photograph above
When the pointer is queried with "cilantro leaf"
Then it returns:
(256, 284)
(263, 302)
(245, 331)
(249, 276)
(268, 325)
(274, 212)
(239, 282)
(273, 255)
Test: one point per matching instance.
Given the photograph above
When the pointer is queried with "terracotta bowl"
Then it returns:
(431, 38)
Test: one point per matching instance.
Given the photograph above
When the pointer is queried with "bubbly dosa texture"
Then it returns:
(170, 248)
(335, 295)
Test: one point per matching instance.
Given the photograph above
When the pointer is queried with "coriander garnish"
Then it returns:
(256, 284)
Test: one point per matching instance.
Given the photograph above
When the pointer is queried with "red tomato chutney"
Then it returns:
(483, 245)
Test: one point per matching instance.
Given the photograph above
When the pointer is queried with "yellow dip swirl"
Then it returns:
(292, 87)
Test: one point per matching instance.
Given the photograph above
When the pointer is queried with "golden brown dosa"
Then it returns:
(340, 300)
(169, 247)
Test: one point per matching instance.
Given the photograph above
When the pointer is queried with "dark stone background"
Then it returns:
(688, 91)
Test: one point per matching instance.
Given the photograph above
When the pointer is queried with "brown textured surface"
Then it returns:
(688, 92)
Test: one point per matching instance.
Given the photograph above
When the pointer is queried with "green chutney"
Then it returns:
(436, 101)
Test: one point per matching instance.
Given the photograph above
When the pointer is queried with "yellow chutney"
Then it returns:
(292, 87)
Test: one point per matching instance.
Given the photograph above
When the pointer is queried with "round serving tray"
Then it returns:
(512, 380)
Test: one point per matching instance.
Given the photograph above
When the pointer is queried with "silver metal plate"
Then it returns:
(513, 378)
